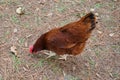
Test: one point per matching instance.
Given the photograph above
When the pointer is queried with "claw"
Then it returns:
(50, 54)
(64, 57)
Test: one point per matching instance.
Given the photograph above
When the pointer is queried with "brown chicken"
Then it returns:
(69, 39)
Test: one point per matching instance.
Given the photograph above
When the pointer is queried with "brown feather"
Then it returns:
(69, 39)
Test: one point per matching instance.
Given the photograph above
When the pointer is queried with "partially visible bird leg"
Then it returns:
(64, 57)
(50, 54)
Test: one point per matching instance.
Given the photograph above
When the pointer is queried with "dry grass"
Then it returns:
(99, 61)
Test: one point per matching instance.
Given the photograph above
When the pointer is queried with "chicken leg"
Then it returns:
(50, 54)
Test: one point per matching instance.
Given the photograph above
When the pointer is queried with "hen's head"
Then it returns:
(38, 46)
(33, 49)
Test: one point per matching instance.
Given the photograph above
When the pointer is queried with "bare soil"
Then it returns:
(100, 59)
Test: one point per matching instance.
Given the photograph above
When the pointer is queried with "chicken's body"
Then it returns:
(69, 39)
(63, 42)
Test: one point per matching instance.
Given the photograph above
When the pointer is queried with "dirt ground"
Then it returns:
(100, 59)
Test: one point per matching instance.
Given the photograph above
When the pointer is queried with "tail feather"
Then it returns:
(90, 18)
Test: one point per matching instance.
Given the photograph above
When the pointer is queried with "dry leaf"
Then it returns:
(26, 44)
(15, 30)
(111, 34)
(98, 75)
(28, 35)
(96, 14)
(56, 0)
(13, 49)
(20, 10)
(92, 10)
(42, 2)
(37, 9)
(100, 32)
(50, 14)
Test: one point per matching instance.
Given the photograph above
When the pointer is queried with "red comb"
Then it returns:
(30, 49)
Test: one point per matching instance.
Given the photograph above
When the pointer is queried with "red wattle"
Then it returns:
(30, 49)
